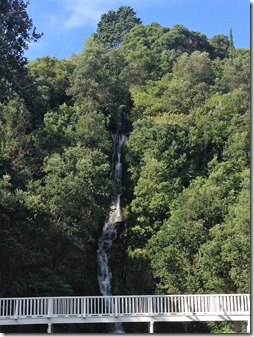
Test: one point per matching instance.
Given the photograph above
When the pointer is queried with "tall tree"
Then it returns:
(231, 44)
(220, 44)
(114, 25)
(16, 31)
(97, 84)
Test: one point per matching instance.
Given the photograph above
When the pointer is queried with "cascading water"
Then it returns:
(109, 232)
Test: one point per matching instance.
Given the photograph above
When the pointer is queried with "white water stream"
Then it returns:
(109, 232)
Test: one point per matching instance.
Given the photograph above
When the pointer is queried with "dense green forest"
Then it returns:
(185, 100)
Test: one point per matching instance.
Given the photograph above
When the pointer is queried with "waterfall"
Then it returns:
(109, 231)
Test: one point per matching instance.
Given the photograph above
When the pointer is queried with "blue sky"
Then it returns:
(67, 24)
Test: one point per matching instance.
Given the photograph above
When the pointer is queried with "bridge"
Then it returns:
(133, 308)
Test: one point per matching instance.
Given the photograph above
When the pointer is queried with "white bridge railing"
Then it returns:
(34, 310)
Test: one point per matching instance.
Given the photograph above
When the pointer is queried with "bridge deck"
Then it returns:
(137, 308)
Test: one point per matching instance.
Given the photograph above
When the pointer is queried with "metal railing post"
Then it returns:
(50, 307)
(150, 305)
(84, 307)
(16, 309)
(116, 306)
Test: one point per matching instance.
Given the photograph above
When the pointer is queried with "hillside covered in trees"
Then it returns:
(185, 100)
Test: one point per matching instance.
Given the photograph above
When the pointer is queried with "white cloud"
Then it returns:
(78, 13)
(81, 12)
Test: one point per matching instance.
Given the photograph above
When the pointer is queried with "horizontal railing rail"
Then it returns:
(213, 304)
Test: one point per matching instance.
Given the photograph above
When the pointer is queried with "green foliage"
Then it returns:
(220, 327)
(16, 31)
(152, 50)
(220, 43)
(177, 250)
(184, 105)
(15, 124)
(114, 25)
(97, 84)
(237, 71)
(224, 260)
(233, 74)
(73, 188)
(194, 68)
(138, 260)
(179, 192)
(27, 248)
(51, 79)
(231, 47)
(169, 154)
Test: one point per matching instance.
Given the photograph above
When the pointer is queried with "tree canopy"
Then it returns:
(113, 26)
(16, 31)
